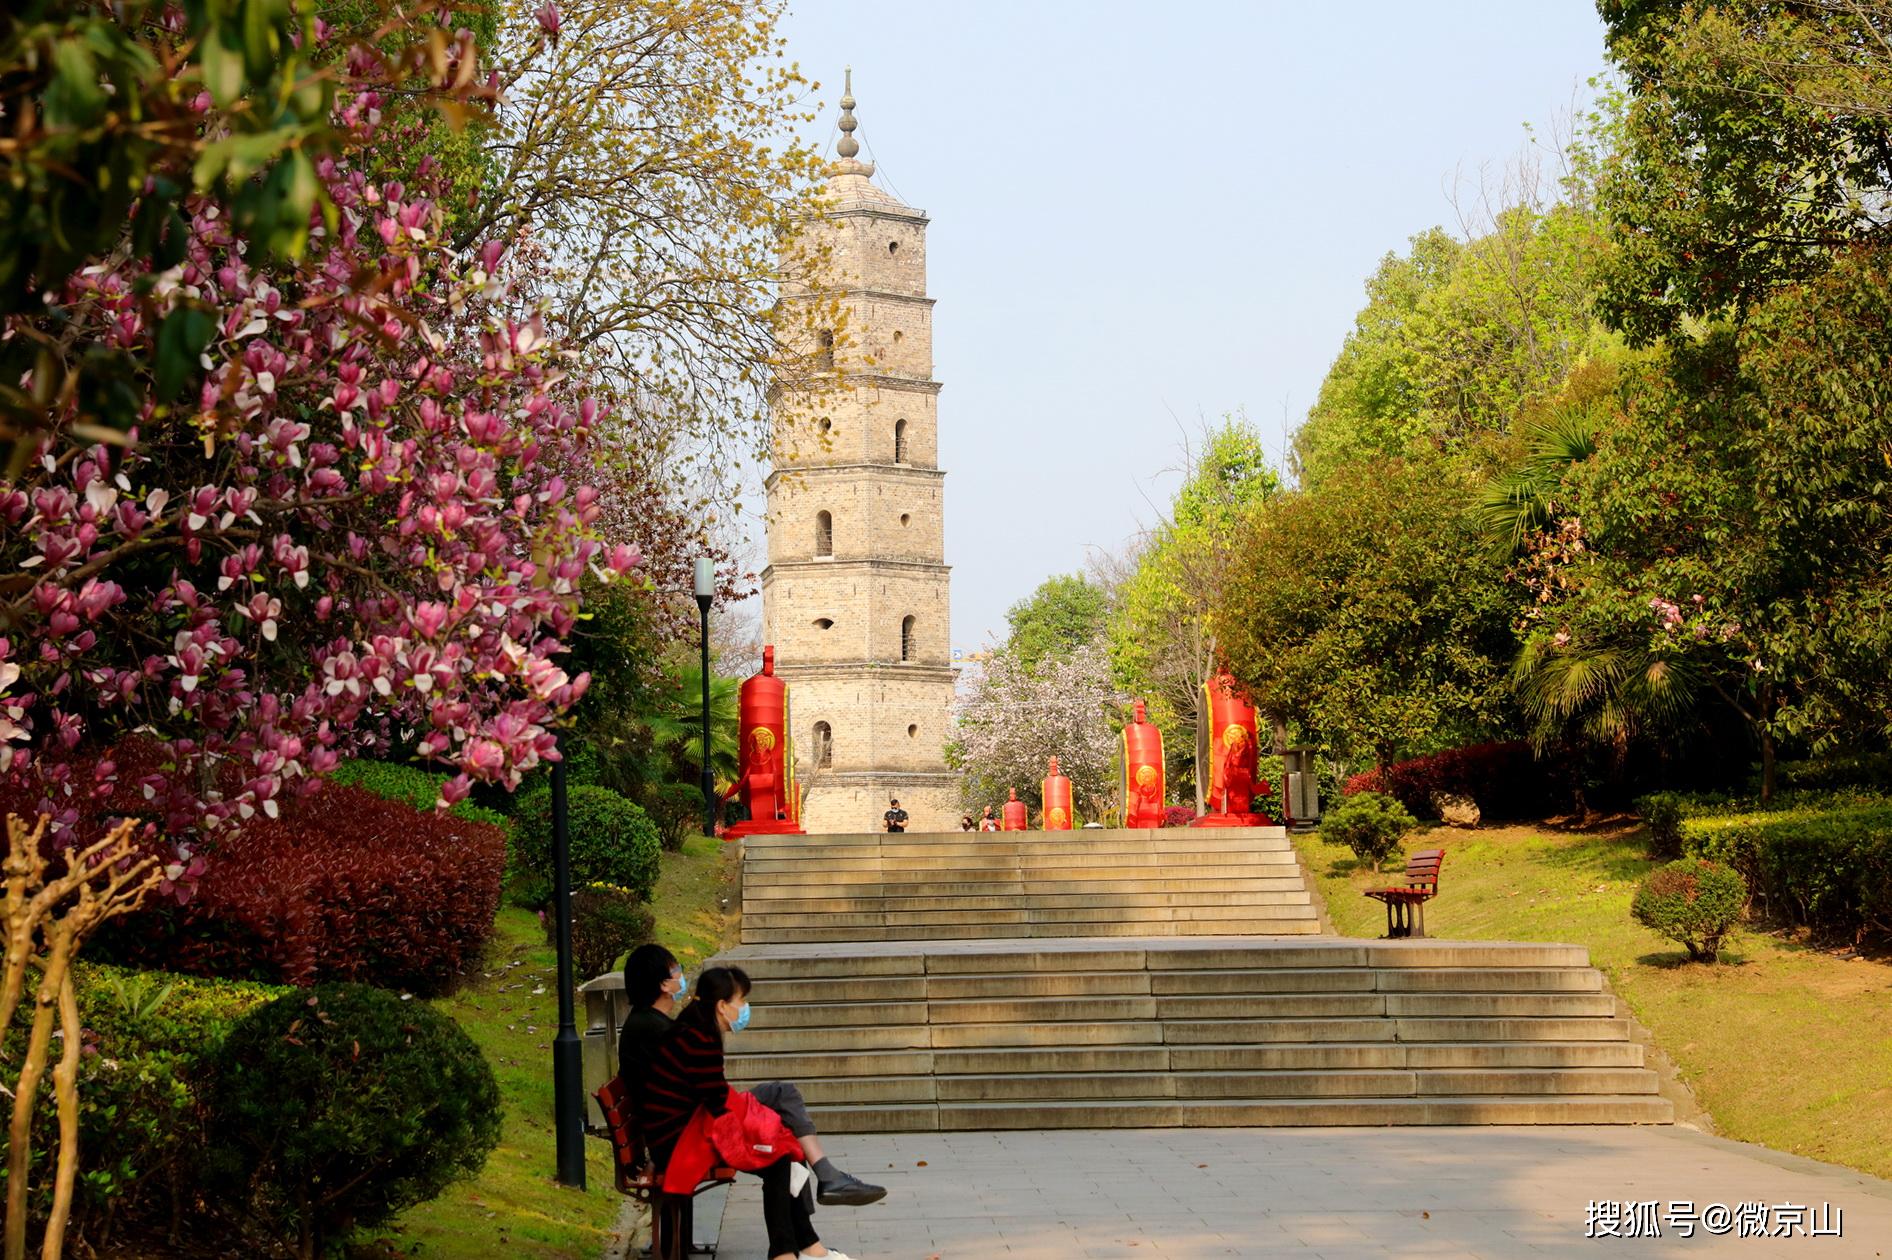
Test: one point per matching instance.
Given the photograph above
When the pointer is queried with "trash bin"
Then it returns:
(1301, 791)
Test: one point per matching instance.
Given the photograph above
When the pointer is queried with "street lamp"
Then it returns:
(705, 593)
(568, 1088)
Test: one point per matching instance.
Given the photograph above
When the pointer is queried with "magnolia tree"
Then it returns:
(1014, 720)
(351, 509)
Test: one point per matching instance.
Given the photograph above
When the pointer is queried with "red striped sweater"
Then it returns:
(686, 1072)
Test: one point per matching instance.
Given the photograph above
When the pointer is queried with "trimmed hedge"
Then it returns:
(1824, 862)
(613, 841)
(1505, 779)
(346, 885)
(144, 1125)
(340, 1107)
(412, 786)
(1693, 902)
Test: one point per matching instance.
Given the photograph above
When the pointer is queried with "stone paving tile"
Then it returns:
(1491, 1193)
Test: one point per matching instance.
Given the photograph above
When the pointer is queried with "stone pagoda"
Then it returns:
(855, 597)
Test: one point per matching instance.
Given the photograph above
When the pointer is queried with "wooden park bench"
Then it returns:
(1406, 904)
(672, 1216)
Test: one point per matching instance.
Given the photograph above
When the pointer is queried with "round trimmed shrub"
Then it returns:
(1372, 824)
(1693, 902)
(613, 841)
(607, 923)
(1662, 814)
(342, 1105)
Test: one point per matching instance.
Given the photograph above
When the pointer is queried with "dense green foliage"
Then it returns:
(1459, 338)
(339, 1107)
(1692, 902)
(1753, 153)
(1372, 824)
(1373, 611)
(613, 841)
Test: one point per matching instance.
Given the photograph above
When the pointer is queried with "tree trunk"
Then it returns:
(1767, 743)
(32, 1069)
(66, 1090)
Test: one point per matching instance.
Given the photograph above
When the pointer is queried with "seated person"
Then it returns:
(653, 984)
(686, 1073)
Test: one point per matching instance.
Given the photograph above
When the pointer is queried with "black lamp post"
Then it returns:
(705, 594)
(568, 1086)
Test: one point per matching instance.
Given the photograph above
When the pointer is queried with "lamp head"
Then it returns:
(705, 578)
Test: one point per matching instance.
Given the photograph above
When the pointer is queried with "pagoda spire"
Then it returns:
(849, 148)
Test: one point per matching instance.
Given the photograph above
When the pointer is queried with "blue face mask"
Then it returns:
(742, 1018)
(683, 985)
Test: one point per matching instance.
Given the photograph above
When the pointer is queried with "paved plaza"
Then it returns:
(1357, 1194)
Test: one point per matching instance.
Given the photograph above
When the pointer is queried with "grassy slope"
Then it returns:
(1783, 1044)
(513, 1208)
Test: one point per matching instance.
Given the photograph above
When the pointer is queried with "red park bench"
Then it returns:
(671, 1215)
(1406, 904)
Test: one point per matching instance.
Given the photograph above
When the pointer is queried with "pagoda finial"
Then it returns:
(849, 148)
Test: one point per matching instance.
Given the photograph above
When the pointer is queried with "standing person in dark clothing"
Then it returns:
(895, 816)
(686, 1072)
(654, 984)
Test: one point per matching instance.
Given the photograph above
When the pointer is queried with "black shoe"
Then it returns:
(847, 1190)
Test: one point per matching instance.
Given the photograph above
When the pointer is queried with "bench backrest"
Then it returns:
(1422, 868)
(634, 1173)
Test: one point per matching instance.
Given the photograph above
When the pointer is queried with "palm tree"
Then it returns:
(676, 724)
(1602, 689)
(1521, 502)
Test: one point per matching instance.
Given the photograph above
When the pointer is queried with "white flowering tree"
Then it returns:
(1013, 720)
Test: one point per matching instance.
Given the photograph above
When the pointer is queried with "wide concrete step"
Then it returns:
(872, 840)
(1155, 954)
(1068, 1058)
(1074, 876)
(1040, 850)
(1282, 892)
(1282, 880)
(774, 1012)
(1099, 1086)
(961, 931)
(1264, 905)
(1252, 1113)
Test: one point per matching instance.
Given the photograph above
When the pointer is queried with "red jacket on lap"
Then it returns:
(747, 1137)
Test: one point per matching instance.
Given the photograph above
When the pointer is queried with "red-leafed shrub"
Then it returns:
(344, 886)
(1505, 779)
(1178, 816)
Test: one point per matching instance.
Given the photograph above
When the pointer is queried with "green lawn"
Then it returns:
(1782, 1043)
(513, 1208)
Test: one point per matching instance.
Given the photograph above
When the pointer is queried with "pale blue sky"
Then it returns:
(1142, 213)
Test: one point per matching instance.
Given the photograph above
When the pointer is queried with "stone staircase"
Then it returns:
(1180, 882)
(1190, 1031)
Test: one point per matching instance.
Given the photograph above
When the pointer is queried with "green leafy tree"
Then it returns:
(1728, 540)
(1756, 147)
(1373, 611)
(1162, 637)
(1459, 338)
(1063, 614)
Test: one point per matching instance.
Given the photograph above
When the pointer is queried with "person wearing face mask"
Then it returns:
(654, 985)
(685, 1076)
